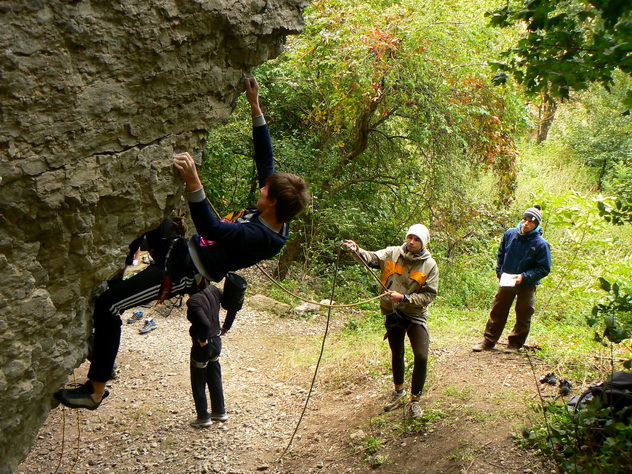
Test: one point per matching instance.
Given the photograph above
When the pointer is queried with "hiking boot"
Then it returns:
(396, 399)
(512, 350)
(414, 410)
(200, 422)
(150, 325)
(80, 397)
(219, 416)
(137, 316)
(482, 346)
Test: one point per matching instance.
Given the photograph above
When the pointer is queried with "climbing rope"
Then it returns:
(322, 350)
(63, 436)
(326, 305)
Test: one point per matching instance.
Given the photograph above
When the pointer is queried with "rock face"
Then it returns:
(96, 96)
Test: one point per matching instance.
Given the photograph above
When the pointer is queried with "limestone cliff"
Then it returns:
(96, 96)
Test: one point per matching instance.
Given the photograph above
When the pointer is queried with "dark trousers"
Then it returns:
(206, 371)
(525, 307)
(419, 340)
(142, 288)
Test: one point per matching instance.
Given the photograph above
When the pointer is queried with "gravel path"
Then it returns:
(143, 426)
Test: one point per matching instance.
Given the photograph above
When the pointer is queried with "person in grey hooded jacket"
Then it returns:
(411, 276)
(523, 259)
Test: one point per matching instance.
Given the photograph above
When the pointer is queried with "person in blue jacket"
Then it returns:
(220, 246)
(523, 259)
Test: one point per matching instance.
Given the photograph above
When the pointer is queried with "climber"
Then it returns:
(219, 247)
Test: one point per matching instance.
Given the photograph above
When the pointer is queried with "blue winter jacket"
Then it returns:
(528, 254)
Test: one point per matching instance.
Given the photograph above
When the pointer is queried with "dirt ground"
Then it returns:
(474, 404)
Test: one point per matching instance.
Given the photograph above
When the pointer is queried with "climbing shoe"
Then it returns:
(396, 399)
(150, 325)
(414, 410)
(136, 316)
(201, 423)
(219, 416)
(80, 397)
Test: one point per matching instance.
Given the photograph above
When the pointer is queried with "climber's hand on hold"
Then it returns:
(188, 172)
(252, 95)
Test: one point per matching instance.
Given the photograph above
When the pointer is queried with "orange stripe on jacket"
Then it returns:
(390, 268)
(419, 277)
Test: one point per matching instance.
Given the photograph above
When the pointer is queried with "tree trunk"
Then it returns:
(546, 114)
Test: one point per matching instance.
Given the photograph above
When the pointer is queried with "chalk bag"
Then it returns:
(234, 291)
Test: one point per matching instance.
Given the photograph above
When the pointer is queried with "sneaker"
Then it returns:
(414, 410)
(512, 350)
(200, 422)
(80, 397)
(565, 387)
(482, 346)
(219, 416)
(150, 325)
(136, 316)
(550, 379)
(397, 399)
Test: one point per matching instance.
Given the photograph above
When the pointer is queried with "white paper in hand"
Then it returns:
(508, 279)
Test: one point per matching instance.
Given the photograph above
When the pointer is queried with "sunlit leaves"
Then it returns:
(567, 44)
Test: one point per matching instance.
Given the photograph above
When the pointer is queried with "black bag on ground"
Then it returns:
(616, 392)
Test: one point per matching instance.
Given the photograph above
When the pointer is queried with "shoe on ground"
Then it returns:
(550, 379)
(482, 346)
(136, 316)
(396, 399)
(219, 416)
(80, 397)
(150, 325)
(414, 410)
(201, 423)
(565, 387)
(512, 350)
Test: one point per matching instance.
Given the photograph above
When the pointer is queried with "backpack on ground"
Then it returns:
(615, 392)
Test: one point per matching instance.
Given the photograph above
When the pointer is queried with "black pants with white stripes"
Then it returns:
(142, 288)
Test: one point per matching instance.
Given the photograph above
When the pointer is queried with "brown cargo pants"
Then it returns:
(525, 307)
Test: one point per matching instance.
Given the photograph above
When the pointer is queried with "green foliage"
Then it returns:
(583, 247)
(618, 213)
(387, 110)
(600, 136)
(372, 445)
(394, 113)
(614, 315)
(567, 44)
(583, 441)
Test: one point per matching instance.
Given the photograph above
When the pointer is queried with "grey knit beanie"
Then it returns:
(533, 214)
